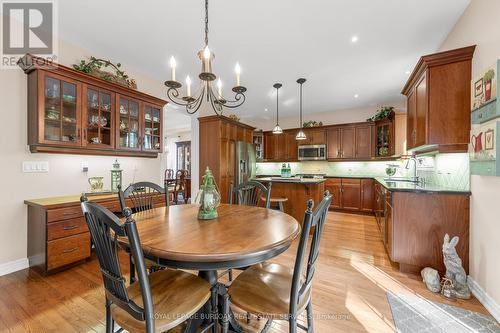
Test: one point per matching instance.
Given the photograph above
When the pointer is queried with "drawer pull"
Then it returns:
(70, 250)
(71, 227)
(70, 213)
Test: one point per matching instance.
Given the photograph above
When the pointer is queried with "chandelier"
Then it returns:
(205, 91)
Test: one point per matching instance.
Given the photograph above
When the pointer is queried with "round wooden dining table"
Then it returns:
(241, 236)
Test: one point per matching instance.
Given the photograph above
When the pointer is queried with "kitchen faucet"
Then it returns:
(413, 158)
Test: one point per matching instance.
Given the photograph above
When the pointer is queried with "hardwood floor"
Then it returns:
(352, 277)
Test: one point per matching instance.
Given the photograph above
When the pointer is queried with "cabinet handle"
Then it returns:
(70, 213)
(70, 250)
(71, 227)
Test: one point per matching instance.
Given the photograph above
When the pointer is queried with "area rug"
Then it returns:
(414, 314)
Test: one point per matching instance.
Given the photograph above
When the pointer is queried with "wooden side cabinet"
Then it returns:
(351, 194)
(58, 236)
(438, 102)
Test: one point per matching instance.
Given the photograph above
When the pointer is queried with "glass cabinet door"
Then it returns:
(99, 120)
(152, 128)
(129, 124)
(61, 118)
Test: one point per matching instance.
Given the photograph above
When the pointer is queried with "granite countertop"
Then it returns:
(294, 180)
(395, 186)
(401, 186)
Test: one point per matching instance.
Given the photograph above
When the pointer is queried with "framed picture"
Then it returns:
(489, 139)
(478, 88)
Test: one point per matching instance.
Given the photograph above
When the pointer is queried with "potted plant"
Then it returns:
(382, 113)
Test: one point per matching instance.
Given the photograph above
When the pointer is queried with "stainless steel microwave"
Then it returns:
(312, 152)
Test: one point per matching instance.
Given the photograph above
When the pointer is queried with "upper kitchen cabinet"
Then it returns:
(314, 136)
(75, 113)
(438, 102)
(280, 147)
(350, 142)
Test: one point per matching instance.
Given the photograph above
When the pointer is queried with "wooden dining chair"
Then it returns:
(156, 302)
(180, 186)
(276, 292)
(249, 193)
(143, 196)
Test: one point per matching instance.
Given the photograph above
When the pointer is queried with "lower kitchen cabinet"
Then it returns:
(414, 225)
(351, 194)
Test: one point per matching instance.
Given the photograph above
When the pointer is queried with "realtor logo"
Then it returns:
(28, 27)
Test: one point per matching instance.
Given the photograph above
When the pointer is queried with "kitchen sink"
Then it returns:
(401, 179)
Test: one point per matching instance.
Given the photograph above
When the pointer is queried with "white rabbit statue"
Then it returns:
(454, 269)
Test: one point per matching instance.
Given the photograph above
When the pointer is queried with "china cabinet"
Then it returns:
(74, 113)
(385, 137)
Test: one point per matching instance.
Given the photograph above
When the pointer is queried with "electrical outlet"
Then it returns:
(85, 167)
(35, 167)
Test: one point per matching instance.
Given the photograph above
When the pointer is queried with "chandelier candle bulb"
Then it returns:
(188, 84)
(219, 88)
(237, 69)
(173, 64)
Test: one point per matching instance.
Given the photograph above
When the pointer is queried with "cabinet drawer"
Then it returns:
(66, 228)
(67, 250)
(351, 181)
(113, 206)
(64, 213)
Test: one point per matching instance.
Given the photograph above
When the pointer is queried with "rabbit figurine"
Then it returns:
(454, 269)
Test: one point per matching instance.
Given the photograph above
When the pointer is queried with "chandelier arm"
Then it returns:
(173, 95)
(239, 99)
(193, 107)
(214, 102)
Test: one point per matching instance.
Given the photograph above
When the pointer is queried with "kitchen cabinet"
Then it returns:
(334, 185)
(314, 136)
(291, 146)
(438, 102)
(280, 147)
(270, 148)
(367, 195)
(218, 136)
(351, 194)
(363, 141)
(350, 142)
(75, 113)
(379, 205)
(385, 136)
(413, 226)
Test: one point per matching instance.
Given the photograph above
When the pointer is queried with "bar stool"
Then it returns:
(278, 201)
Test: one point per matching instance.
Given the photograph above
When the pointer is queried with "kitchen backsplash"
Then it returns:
(374, 169)
(446, 170)
(449, 170)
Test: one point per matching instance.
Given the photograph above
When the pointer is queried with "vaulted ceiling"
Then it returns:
(274, 41)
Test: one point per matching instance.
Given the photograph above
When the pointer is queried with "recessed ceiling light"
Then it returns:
(265, 109)
(356, 96)
(354, 39)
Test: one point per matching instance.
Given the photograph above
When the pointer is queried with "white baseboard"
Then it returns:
(13, 266)
(485, 299)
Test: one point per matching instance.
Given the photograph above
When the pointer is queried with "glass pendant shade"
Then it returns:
(277, 129)
(301, 135)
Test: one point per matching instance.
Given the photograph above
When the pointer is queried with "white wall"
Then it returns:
(479, 25)
(328, 118)
(65, 176)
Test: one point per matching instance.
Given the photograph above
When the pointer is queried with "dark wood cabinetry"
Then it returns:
(350, 142)
(280, 147)
(438, 102)
(351, 194)
(58, 236)
(385, 137)
(74, 113)
(412, 236)
(218, 135)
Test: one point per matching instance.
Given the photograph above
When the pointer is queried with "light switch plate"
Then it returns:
(35, 166)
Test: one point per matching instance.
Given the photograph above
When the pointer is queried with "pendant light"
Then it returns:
(277, 129)
(301, 135)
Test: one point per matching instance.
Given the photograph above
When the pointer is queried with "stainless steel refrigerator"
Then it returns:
(245, 162)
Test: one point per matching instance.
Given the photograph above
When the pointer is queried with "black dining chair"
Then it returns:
(277, 292)
(249, 193)
(143, 196)
(156, 302)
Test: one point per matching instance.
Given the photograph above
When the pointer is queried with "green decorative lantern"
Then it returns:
(208, 198)
(116, 177)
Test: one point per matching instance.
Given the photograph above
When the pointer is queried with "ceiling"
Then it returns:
(274, 41)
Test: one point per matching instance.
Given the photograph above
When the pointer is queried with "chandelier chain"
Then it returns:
(206, 22)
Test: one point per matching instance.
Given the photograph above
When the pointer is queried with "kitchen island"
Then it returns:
(297, 191)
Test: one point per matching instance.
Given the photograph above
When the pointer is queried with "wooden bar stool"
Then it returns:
(278, 201)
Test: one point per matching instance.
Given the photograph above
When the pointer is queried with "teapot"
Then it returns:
(476, 142)
(96, 184)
